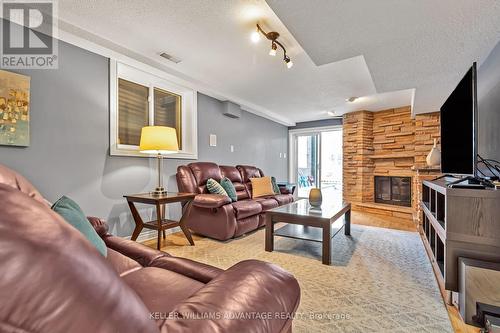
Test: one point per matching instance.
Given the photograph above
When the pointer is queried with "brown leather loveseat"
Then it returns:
(53, 280)
(215, 215)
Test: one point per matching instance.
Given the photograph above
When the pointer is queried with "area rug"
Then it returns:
(380, 279)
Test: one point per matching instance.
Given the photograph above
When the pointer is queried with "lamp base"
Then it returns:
(159, 191)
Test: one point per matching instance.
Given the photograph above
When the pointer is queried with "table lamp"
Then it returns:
(159, 140)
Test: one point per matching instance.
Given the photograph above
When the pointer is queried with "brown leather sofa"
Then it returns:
(53, 280)
(215, 215)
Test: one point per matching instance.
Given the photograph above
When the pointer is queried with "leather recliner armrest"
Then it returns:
(248, 287)
(141, 253)
(195, 270)
(211, 200)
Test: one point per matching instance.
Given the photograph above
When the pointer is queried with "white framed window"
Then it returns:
(138, 99)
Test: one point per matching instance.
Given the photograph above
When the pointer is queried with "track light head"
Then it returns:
(272, 51)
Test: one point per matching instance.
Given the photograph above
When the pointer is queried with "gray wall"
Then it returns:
(69, 151)
(317, 123)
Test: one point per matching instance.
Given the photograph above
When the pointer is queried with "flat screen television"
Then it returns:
(459, 128)
(488, 99)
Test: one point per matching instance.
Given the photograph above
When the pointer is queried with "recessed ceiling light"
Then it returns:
(351, 99)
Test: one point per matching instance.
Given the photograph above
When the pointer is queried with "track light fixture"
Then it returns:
(273, 37)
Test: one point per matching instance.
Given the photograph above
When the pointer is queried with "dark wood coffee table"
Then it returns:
(308, 223)
(160, 224)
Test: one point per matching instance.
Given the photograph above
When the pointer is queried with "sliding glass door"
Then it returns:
(307, 163)
(316, 161)
(331, 164)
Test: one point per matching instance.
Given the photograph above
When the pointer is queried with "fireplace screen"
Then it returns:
(393, 190)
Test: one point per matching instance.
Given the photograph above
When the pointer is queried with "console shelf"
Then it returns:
(458, 223)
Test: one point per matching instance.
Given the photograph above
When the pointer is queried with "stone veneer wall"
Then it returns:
(357, 147)
(390, 143)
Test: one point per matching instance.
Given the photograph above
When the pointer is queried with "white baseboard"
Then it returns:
(152, 234)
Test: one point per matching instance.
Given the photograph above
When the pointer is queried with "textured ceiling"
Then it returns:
(211, 37)
(426, 44)
(385, 51)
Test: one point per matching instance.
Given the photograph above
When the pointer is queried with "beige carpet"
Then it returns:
(380, 279)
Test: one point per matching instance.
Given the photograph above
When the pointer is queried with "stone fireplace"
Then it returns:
(384, 152)
(393, 190)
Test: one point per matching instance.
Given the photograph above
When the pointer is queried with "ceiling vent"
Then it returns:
(231, 110)
(170, 57)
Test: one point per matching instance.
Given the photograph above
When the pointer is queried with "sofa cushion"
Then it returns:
(283, 199)
(261, 187)
(160, 289)
(185, 180)
(231, 172)
(241, 191)
(74, 215)
(234, 176)
(248, 171)
(246, 208)
(267, 203)
(276, 188)
(214, 187)
(202, 171)
(228, 186)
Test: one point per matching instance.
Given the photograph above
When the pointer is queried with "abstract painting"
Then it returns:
(14, 109)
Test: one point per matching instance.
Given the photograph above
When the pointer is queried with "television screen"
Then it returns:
(458, 148)
(488, 96)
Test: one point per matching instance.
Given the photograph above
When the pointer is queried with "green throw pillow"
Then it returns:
(215, 188)
(276, 188)
(73, 214)
(228, 186)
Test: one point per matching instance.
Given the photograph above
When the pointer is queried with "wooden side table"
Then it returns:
(160, 224)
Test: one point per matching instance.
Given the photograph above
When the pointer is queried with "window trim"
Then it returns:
(189, 122)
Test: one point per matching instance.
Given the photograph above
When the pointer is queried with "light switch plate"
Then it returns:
(213, 140)
(232, 148)
(281, 155)
(284, 155)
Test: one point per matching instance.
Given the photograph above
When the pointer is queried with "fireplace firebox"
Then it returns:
(393, 190)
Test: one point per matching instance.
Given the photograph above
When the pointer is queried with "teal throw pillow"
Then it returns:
(228, 186)
(73, 214)
(215, 188)
(276, 188)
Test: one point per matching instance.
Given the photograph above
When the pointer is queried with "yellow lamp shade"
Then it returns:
(158, 140)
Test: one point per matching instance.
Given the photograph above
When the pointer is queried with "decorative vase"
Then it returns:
(315, 197)
(434, 157)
